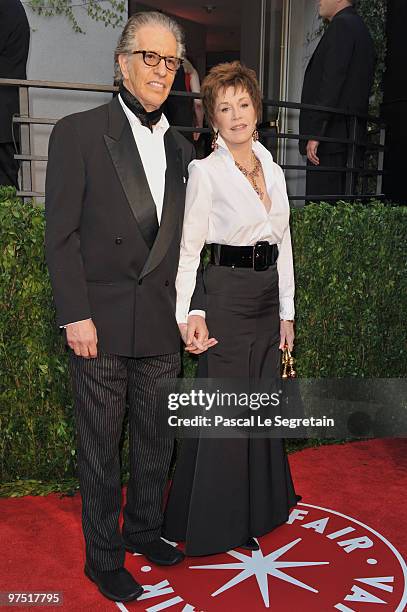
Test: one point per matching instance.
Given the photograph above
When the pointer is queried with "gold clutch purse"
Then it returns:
(288, 364)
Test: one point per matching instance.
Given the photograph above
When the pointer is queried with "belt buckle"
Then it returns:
(260, 255)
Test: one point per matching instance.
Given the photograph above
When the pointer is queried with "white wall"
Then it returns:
(57, 53)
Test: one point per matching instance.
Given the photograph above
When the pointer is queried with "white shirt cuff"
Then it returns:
(182, 318)
(201, 313)
(73, 322)
(287, 310)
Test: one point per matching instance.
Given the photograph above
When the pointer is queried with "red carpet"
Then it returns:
(357, 489)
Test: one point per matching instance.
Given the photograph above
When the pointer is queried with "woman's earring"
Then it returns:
(214, 144)
(255, 135)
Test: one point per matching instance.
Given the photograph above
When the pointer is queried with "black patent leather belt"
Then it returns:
(259, 257)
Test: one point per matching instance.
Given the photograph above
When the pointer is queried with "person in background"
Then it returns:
(184, 111)
(339, 75)
(14, 47)
(179, 110)
(193, 84)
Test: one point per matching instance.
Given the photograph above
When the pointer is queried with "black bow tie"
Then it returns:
(146, 119)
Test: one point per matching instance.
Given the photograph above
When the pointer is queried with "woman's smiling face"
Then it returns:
(235, 116)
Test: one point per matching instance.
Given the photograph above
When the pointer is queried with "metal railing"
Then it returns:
(268, 131)
(352, 145)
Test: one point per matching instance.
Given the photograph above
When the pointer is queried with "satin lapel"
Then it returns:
(129, 167)
(173, 205)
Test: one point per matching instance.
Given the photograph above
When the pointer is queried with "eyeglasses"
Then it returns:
(153, 59)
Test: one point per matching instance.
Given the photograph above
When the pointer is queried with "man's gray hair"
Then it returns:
(128, 39)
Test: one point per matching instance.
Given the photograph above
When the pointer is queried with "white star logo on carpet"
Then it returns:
(320, 559)
(260, 567)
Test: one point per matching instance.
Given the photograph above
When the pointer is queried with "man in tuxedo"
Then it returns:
(115, 194)
(14, 46)
(340, 75)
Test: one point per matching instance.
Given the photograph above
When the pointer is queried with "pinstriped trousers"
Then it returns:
(102, 387)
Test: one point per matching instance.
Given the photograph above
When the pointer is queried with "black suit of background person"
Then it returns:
(340, 75)
(14, 46)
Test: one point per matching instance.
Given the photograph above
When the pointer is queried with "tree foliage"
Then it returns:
(110, 12)
(374, 14)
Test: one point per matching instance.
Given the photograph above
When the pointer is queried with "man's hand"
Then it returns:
(312, 149)
(195, 335)
(82, 338)
(286, 334)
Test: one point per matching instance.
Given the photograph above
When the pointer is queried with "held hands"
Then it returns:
(82, 338)
(195, 335)
(312, 149)
(286, 334)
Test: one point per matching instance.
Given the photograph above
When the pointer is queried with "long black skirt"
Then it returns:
(225, 490)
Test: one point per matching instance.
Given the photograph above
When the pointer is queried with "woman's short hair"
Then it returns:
(128, 39)
(229, 74)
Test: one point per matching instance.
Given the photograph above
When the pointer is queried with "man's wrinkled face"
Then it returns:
(150, 84)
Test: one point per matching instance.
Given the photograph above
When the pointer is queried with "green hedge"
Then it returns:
(351, 304)
(351, 284)
(35, 418)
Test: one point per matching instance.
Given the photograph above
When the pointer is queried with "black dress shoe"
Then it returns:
(250, 544)
(117, 585)
(157, 551)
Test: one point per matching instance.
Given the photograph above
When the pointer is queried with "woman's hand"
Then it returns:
(195, 335)
(286, 334)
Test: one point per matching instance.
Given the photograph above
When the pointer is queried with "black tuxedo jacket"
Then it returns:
(339, 74)
(14, 45)
(105, 257)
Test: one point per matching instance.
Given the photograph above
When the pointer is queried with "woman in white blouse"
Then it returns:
(225, 492)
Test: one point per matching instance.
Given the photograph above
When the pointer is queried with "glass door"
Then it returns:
(290, 28)
(274, 70)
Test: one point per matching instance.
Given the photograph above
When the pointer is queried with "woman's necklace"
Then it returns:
(252, 175)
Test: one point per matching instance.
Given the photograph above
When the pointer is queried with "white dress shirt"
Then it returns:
(222, 207)
(152, 152)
